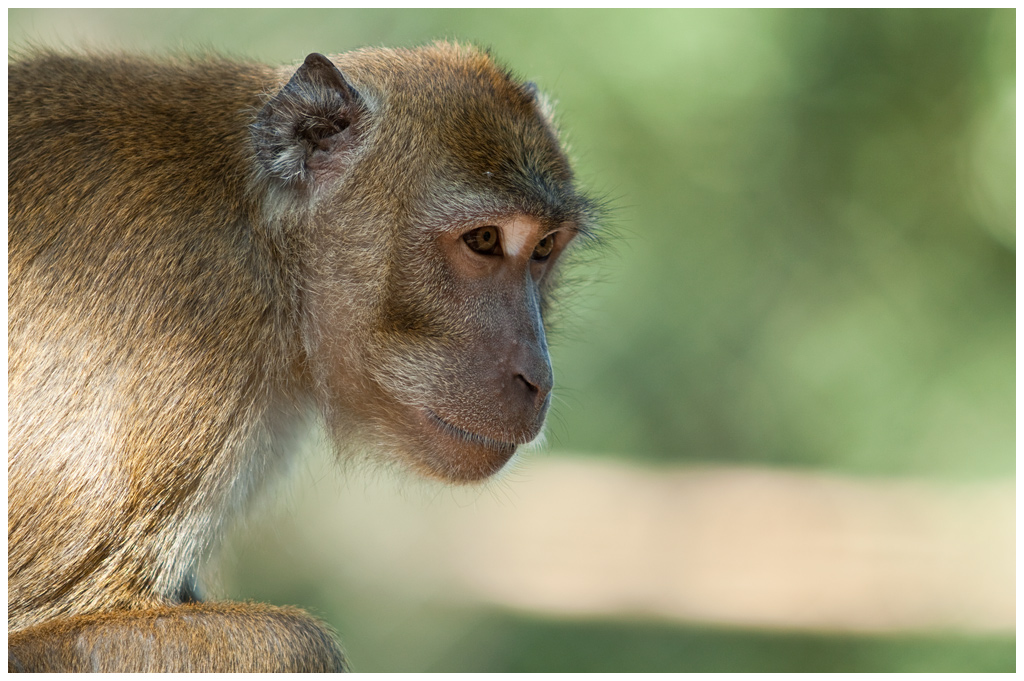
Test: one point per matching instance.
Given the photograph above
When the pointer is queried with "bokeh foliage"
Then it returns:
(811, 257)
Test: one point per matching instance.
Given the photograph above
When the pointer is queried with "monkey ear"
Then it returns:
(307, 126)
(544, 105)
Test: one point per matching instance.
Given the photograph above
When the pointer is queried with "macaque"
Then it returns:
(201, 252)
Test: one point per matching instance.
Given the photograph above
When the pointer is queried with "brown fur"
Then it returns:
(200, 249)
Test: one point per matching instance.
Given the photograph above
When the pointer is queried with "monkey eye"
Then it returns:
(544, 248)
(484, 240)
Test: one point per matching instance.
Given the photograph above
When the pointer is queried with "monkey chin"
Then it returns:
(452, 454)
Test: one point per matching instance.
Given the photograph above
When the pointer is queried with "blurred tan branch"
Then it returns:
(737, 546)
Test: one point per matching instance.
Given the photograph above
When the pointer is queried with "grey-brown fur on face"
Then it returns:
(201, 249)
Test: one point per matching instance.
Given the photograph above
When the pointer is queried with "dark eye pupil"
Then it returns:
(483, 240)
(544, 248)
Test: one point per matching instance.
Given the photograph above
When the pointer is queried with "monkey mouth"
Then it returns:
(457, 433)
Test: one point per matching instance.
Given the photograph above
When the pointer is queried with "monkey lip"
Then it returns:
(467, 436)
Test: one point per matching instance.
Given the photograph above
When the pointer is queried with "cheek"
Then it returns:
(336, 327)
(419, 296)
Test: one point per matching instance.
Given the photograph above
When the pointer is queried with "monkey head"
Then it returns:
(426, 201)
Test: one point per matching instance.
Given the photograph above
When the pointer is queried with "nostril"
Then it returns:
(531, 386)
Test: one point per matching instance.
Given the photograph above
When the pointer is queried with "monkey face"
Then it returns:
(490, 387)
(440, 210)
(450, 372)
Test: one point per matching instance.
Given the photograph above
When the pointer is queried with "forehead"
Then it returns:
(473, 107)
(477, 132)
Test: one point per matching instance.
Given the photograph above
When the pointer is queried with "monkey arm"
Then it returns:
(209, 637)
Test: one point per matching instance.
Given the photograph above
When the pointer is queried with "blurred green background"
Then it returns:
(811, 263)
